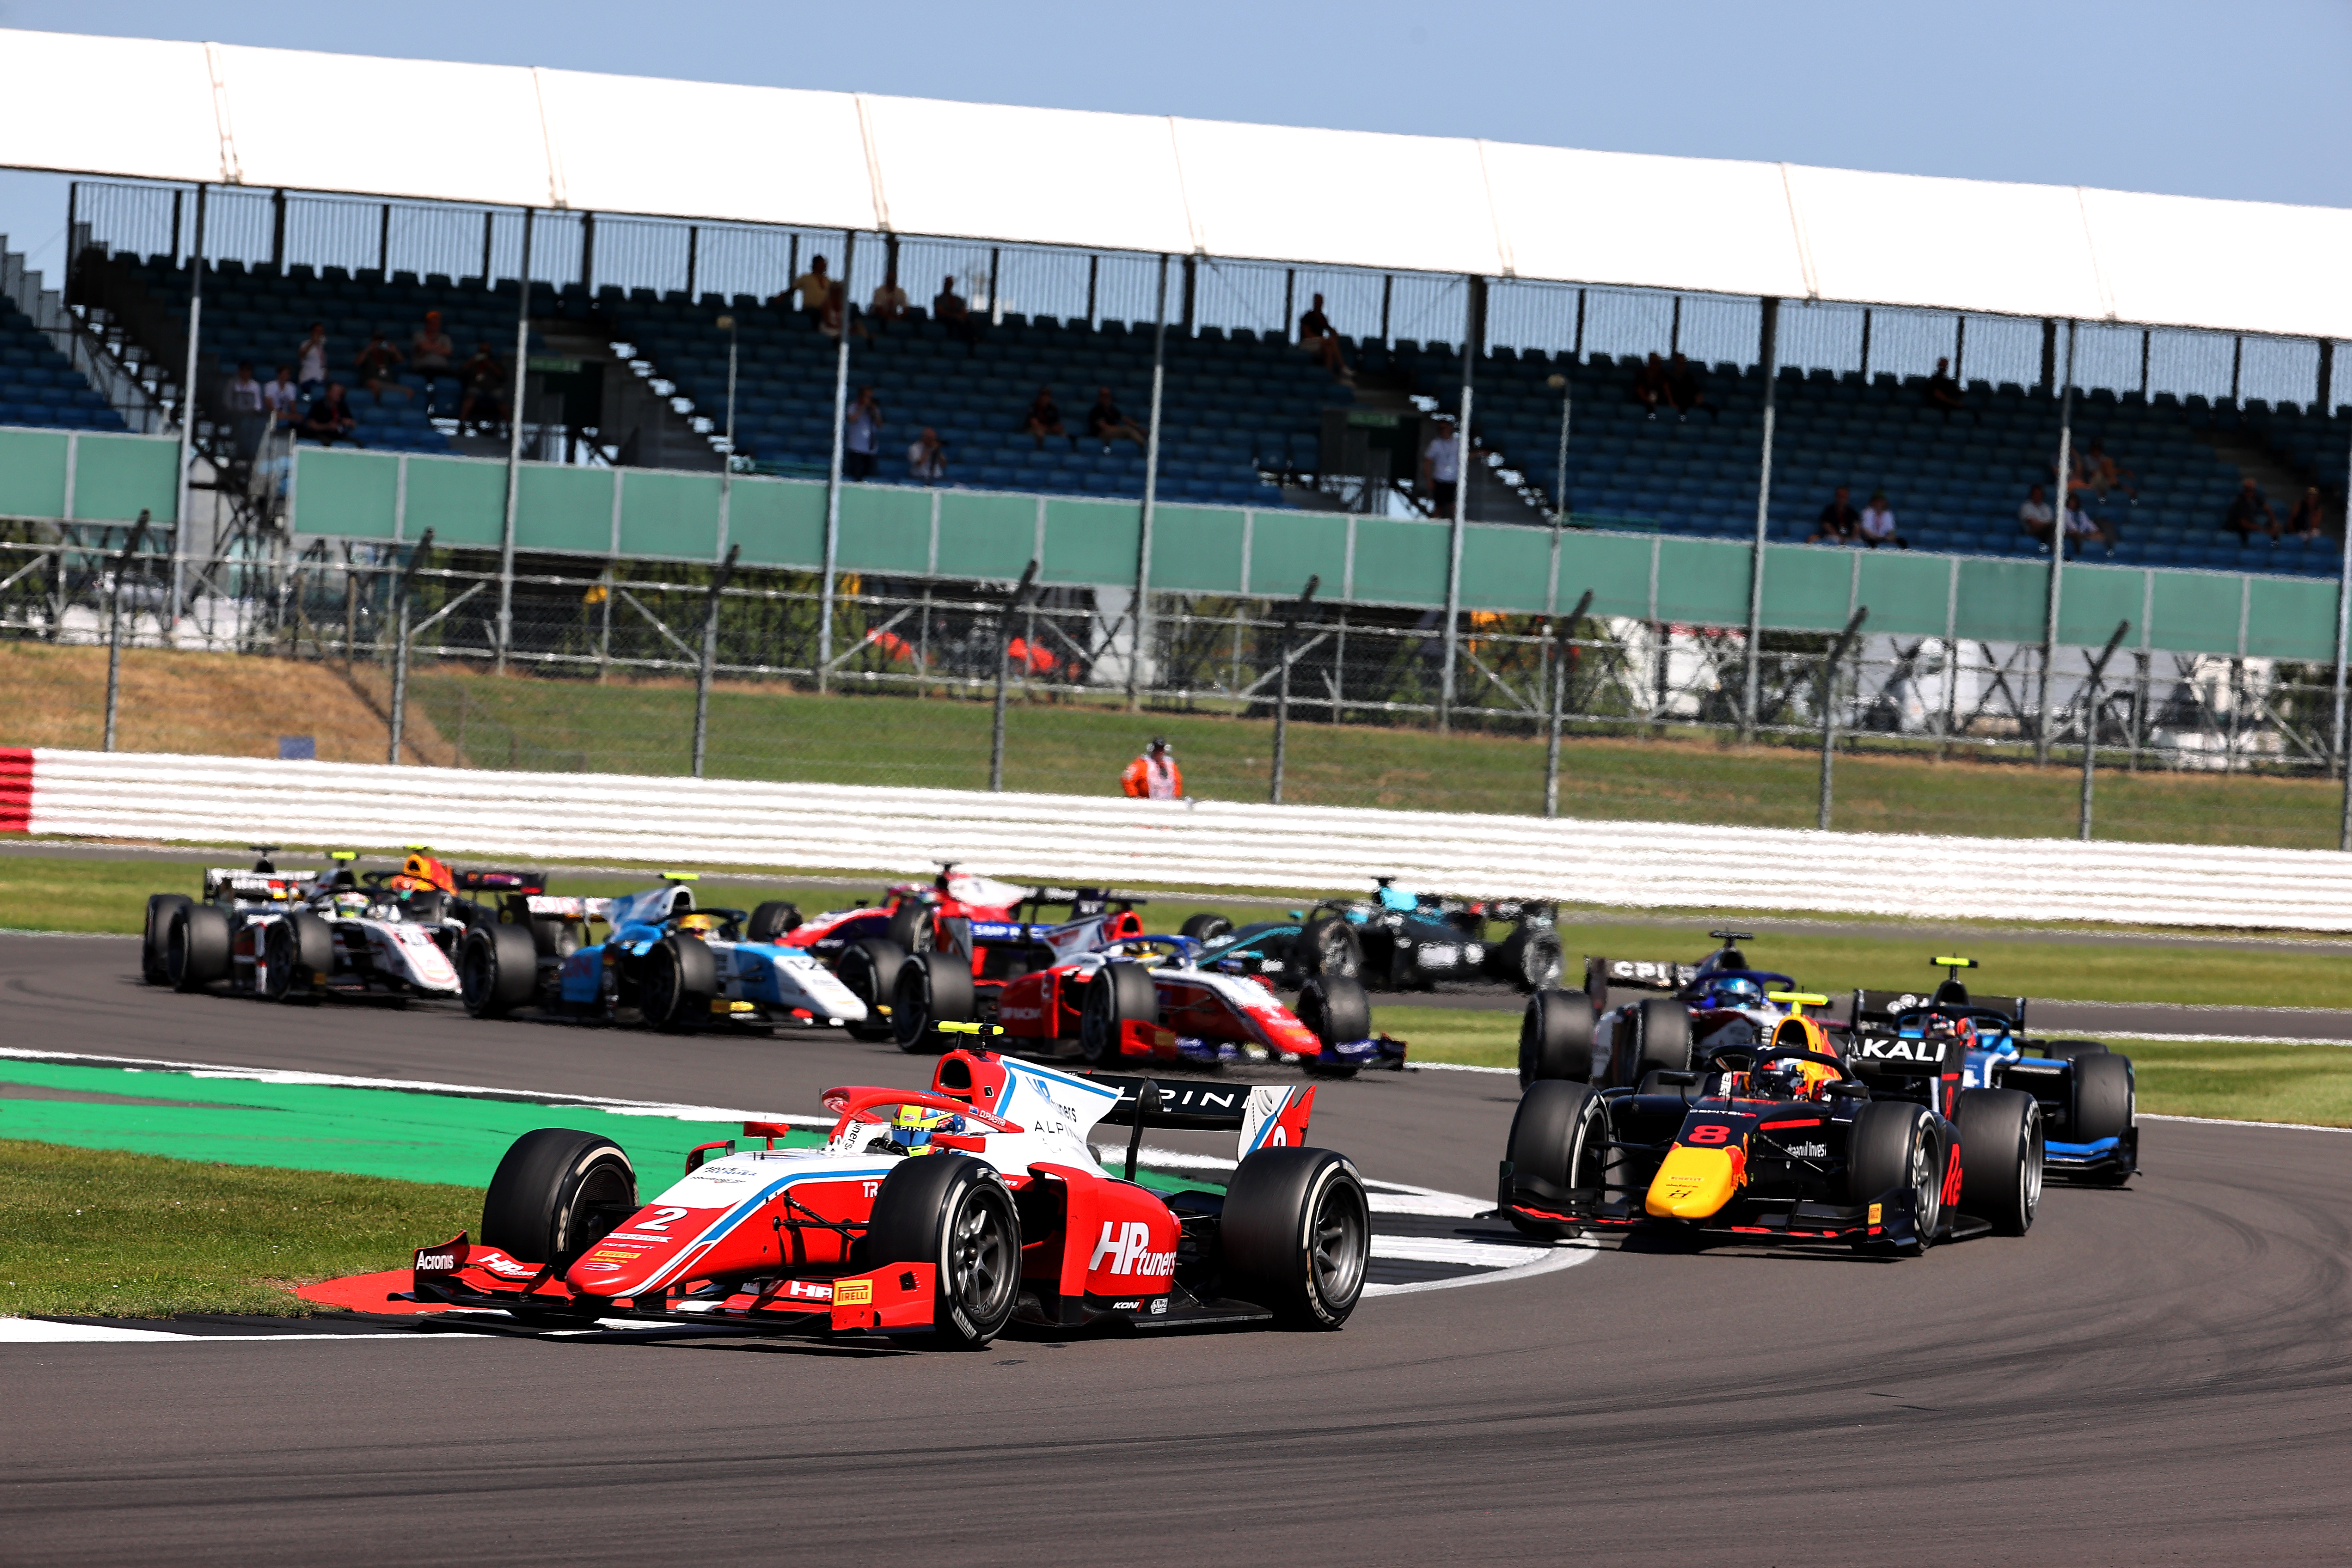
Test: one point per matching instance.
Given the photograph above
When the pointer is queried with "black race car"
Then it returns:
(1393, 940)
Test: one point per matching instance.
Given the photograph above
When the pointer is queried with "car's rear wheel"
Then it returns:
(1205, 927)
(932, 988)
(1556, 1038)
(1558, 1143)
(1894, 1147)
(195, 947)
(497, 969)
(869, 968)
(558, 1193)
(681, 980)
(299, 954)
(2001, 1158)
(952, 1212)
(772, 919)
(1330, 946)
(1530, 958)
(161, 909)
(1117, 993)
(1296, 1235)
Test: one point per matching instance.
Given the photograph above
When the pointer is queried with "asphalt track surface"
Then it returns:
(2157, 1375)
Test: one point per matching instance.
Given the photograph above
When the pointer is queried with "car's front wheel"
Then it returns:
(952, 1212)
(1296, 1235)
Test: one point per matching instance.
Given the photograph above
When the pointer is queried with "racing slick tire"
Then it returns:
(952, 1210)
(1556, 1038)
(497, 969)
(931, 988)
(1895, 1145)
(1296, 1235)
(2001, 1158)
(1558, 1138)
(2106, 1105)
(679, 981)
(772, 921)
(160, 909)
(1340, 1011)
(300, 951)
(557, 1193)
(911, 928)
(196, 948)
(869, 967)
(1119, 993)
(1662, 1038)
(1330, 946)
(2071, 1050)
(1530, 958)
(1205, 927)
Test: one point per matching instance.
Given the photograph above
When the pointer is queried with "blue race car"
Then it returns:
(2088, 1094)
(658, 961)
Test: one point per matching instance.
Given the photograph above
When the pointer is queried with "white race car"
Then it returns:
(303, 935)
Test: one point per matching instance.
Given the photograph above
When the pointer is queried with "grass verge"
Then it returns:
(93, 1231)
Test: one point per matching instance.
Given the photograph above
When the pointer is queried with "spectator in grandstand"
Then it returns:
(1106, 424)
(861, 433)
(280, 397)
(484, 403)
(1316, 336)
(927, 458)
(2036, 518)
(1877, 525)
(889, 303)
(312, 357)
(2307, 521)
(243, 396)
(433, 354)
(379, 366)
(1441, 466)
(1943, 392)
(1045, 418)
(1651, 386)
(813, 285)
(838, 314)
(948, 309)
(2083, 528)
(2096, 472)
(330, 418)
(1683, 389)
(2250, 513)
(1838, 521)
(1154, 776)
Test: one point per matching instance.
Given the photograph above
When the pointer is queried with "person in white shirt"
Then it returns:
(244, 392)
(280, 396)
(927, 458)
(1878, 524)
(2082, 528)
(861, 435)
(313, 377)
(2036, 518)
(1441, 466)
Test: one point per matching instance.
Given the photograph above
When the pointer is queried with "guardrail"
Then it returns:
(1084, 839)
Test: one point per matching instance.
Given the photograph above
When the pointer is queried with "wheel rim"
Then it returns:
(175, 951)
(2030, 1169)
(912, 1015)
(281, 964)
(980, 1259)
(605, 1201)
(1926, 1192)
(1338, 1240)
(660, 990)
(475, 981)
(1098, 1034)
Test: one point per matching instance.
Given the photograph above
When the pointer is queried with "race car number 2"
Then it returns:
(663, 1219)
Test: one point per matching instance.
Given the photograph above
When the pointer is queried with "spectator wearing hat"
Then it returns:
(1154, 776)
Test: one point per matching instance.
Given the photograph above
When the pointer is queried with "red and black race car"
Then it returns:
(1795, 1139)
(937, 1216)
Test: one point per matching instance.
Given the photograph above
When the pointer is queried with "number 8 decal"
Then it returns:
(1708, 1137)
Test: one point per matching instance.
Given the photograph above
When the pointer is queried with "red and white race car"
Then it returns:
(1142, 999)
(944, 1214)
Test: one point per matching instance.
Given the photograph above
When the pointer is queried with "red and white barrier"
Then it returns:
(1100, 839)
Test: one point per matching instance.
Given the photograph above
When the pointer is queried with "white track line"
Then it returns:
(2232, 1121)
(36, 1330)
(1545, 1262)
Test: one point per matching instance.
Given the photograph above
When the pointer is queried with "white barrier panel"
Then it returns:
(1100, 839)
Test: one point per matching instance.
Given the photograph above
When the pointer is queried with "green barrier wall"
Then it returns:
(653, 515)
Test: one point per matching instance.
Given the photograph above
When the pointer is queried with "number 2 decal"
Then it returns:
(1705, 1136)
(664, 1220)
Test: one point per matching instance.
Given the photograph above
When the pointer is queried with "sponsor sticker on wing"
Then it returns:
(853, 1294)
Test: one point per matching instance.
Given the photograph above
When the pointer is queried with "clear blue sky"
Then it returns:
(2160, 95)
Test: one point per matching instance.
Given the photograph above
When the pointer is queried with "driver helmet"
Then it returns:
(1945, 1027)
(1784, 1077)
(701, 924)
(350, 905)
(912, 1128)
(1733, 991)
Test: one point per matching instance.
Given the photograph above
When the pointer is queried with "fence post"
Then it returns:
(114, 626)
(1003, 664)
(2340, 751)
(1137, 619)
(2091, 728)
(400, 648)
(1560, 653)
(517, 385)
(1282, 683)
(2057, 542)
(833, 473)
(187, 402)
(1474, 332)
(709, 654)
(1829, 706)
(1767, 356)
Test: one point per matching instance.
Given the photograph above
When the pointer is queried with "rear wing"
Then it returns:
(1266, 1116)
(257, 887)
(1882, 1007)
(500, 881)
(1602, 974)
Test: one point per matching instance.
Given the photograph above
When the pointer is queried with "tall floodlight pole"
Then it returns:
(1137, 618)
(709, 656)
(187, 411)
(2340, 748)
(1561, 645)
(1560, 493)
(2057, 546)
(1829, 708)
(519, 383)
(1767, 357)
(727, 474)
(2090, 729)
(1474, 328)
(400, 650)
(833, 473)
(1282, 684)
(1014, 601)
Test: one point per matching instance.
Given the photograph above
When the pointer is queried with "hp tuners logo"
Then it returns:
(1127, 1249)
